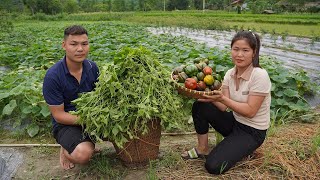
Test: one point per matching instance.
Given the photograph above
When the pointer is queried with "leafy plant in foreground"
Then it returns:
(21, 99)
(131, 91)
(288, 88)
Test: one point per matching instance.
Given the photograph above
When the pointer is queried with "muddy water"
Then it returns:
(294, 52)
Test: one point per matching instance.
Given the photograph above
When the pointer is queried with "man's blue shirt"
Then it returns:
(60, 87)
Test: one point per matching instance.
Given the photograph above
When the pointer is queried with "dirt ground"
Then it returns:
(43, 162)
(286, 154)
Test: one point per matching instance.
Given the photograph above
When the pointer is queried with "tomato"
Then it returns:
(201, 86)
(207, 70)
(216, 85)
(190, 83)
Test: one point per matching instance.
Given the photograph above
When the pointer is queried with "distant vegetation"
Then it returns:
(75, 6)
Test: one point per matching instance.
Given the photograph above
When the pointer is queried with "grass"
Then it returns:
(21, 137)
(316, 142)
(103, 166)
(293, 30)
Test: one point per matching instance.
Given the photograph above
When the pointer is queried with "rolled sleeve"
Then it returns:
(260, 84)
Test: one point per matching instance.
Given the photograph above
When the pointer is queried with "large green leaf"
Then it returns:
(280, 79)
(33, 129)
(299, 106)
(278, 93)
(45, 110)
(4, 95)
(17, 90)
(27, 109)
(7, 110)
(282, 102)
(291, 93)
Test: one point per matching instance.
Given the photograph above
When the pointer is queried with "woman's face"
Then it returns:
(242, 54)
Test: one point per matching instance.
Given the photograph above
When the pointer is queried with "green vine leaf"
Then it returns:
(33, 129)
(45, 111)
(280, 79)
(7, 110)
(291, 93)
(4, 95)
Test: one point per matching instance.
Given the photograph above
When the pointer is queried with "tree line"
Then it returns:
(74, 6)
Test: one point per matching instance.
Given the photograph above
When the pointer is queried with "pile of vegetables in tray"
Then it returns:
(199, 76)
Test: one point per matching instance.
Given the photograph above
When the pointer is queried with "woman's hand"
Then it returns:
(216, 97)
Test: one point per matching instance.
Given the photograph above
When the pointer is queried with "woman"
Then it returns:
(246, 92)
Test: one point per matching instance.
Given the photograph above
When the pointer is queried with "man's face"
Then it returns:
(76, 47)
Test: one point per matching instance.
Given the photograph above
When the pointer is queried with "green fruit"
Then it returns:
(195, 78)
(182, 77)
(200, 76)
(196, 61)
(191, 70)
(206, 61)
(202, 65)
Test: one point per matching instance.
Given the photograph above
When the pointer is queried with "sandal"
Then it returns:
(193, 154)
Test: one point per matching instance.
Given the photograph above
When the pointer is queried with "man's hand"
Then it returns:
(61, 116)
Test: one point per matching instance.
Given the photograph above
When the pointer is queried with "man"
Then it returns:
(63, 82)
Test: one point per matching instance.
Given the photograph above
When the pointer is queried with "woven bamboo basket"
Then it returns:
(189, 92)
(138, 152)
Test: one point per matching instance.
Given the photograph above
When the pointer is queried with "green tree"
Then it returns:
(131, 5)
(32, 5)
(178, 5)
(50, 6)
(141, 4)
(12, 5)
(70, 6)
(119, 5)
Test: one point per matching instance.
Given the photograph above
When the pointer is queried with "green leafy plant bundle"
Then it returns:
(131, 91)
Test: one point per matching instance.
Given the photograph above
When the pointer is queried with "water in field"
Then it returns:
(295, 52)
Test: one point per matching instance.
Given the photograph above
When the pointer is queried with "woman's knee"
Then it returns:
(197, 105)
(216, 167)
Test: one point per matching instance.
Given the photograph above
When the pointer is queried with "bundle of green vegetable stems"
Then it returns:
(132, 90)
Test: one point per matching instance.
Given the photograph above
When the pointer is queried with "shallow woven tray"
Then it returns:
(189, 92)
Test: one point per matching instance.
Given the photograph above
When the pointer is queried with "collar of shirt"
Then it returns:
(245, 75)
(86, 66)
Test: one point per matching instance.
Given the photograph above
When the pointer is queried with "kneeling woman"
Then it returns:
(246, 92)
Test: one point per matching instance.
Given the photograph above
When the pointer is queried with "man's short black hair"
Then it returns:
(74, 30)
